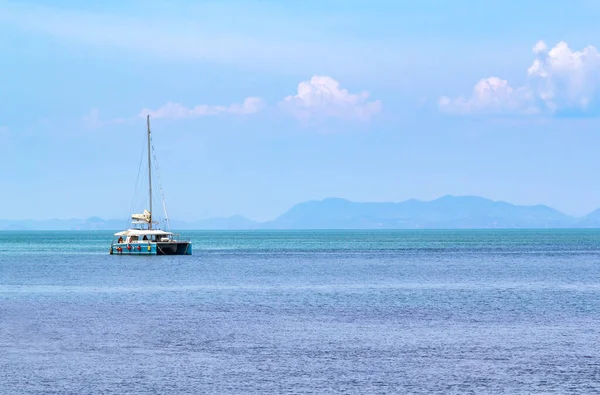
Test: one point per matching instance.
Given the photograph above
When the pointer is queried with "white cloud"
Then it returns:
(178, 111)
(563, 79)
(559, 81)
(322, 96)
(491, 95)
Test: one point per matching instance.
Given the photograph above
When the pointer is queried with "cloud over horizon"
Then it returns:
(559, 82)
(251, 105)
(322, 96)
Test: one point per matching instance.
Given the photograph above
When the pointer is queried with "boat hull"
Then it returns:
(174, 248)
(164, 248)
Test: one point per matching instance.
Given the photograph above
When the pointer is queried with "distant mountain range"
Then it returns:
(447, 212)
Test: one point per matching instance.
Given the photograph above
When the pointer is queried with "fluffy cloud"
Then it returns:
(322, 96)
(177, 111)
(559, 81)
(563, 79)
(490, 95)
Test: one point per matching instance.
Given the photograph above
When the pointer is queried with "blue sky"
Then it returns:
(258, 105)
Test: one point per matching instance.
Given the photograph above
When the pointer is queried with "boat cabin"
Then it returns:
(143, 236)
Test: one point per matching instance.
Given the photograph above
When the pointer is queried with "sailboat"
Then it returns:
(145, 237)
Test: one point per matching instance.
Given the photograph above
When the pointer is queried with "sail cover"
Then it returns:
(145, 216)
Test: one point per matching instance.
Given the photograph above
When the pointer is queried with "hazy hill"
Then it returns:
(458, 212)
(92, 223)
(445, 212)
(592, 220)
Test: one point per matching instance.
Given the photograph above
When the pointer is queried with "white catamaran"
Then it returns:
(145, 236)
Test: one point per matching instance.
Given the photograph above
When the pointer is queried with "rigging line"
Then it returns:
(162, 195)
(137, 181)
(155, 181)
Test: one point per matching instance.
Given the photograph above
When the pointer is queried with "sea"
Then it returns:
(303, 312)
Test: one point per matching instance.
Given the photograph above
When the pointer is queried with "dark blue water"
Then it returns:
(513, 312)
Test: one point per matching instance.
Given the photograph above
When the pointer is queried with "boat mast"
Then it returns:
(149, 174)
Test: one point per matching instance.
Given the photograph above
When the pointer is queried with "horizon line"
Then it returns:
(566, 228)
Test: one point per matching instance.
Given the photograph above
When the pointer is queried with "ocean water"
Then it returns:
(507, 312)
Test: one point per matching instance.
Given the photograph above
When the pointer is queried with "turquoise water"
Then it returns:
(303, 312)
